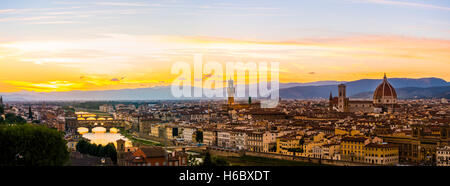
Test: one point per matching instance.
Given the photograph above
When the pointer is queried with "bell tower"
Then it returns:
(342, 99)
(230, 92)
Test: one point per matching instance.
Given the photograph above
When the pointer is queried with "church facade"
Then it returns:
(384, 100)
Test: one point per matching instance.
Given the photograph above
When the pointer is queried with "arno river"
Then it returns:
(100, 136)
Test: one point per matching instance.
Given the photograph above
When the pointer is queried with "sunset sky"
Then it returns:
(52, 45)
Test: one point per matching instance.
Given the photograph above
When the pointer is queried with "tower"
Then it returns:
(230, 92)
(342, 99)
(2, 109)
(120, 145)
(30, 114)
(330, 101)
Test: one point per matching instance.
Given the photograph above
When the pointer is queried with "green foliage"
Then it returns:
(109, 150)
(208, 161)
(192, 161)
(220, 162)
(32, 145)
(11, 118)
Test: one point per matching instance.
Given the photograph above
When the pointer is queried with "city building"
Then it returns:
(443, 156)
(289, 144)
(147, 156)
(224, 138)
(255, 141)
(352, 148)
(384, 100)
(381, 154)
(238, 139)
(421, 146)
(188, 133)
(210, 137)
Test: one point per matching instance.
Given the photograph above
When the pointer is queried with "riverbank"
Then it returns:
(260, 161)
(135, 139)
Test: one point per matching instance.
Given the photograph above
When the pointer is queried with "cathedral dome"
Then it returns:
(385, 92)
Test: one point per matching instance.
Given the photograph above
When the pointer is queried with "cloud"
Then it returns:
(138, 57)
(7, 11)
(407, 4)
(120, 4)
(54, 22)
(26, 18)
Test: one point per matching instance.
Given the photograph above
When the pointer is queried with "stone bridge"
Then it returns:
(72, 124)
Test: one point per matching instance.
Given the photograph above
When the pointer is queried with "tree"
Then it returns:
(220, 162)
(207, 161)
(11, 118)
(111, 152)
(192, 161)
(100, 151)
(32, 145)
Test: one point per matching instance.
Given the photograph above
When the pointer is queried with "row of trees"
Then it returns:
(109, 150)
(209, 161)
(31, 145)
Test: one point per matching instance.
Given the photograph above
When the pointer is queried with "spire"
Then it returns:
(331, 96)
(30, 114)
(385, 78)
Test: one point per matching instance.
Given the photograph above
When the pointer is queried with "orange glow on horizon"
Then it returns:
(145, 61)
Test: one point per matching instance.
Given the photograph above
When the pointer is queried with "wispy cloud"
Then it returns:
(54, 22)
(7, 11)
(407, 4)
(25, 18)
(121, 4)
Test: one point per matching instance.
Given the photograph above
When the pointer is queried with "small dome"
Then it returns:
(385, 90)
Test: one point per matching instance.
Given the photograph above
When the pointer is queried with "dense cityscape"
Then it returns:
(383, 131)
(229, 92)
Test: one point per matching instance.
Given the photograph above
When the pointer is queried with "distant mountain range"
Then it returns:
(406, 88)
(414, 92)
(423, 88)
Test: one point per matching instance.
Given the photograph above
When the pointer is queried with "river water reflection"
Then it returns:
(102, 137)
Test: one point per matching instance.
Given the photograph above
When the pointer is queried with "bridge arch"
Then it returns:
(82, 130)
(99, 130)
